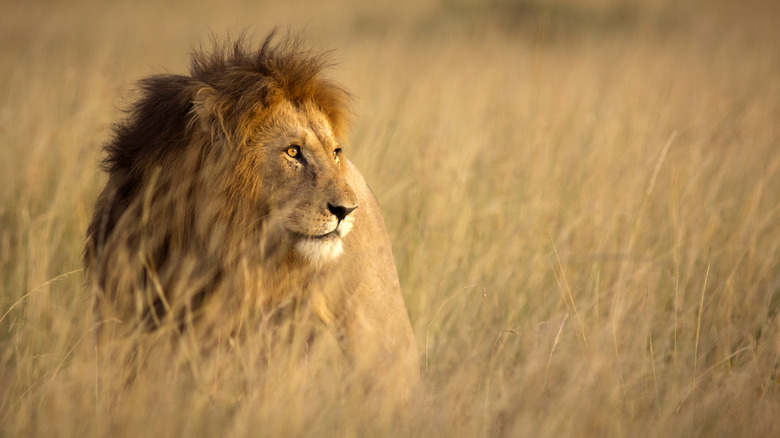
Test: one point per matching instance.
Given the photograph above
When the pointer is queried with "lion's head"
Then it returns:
(284, 124)
(257, 133)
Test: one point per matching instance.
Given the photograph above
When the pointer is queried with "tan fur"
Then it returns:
(205, 208)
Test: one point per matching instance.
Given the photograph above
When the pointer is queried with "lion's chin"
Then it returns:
(319, 250)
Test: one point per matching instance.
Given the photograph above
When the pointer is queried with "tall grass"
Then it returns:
(583, 197)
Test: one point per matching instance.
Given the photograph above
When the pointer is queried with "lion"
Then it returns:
(230, 187)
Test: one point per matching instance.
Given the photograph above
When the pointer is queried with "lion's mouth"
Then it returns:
(335, 235)
(332, 235)
(318, 237)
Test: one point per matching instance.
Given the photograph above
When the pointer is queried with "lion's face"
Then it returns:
(303, 183)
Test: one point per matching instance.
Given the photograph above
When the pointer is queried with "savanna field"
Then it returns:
(583, 199)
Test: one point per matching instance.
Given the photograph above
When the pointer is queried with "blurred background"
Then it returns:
(583, 198)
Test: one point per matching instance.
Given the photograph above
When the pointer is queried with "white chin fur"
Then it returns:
(319, 251)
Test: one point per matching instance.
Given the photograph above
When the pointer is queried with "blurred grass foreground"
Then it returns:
(583, 198)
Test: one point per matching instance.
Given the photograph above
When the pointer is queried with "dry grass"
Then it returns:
(584, 200)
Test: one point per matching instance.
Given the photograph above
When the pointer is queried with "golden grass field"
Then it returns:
(583, 198)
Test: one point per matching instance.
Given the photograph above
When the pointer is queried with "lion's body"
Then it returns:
(227, 190)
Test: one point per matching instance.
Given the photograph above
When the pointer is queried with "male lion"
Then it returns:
(228, 189)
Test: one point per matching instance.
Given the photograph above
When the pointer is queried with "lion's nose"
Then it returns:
(340, 211)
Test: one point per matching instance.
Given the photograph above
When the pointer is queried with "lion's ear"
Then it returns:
(206, 112)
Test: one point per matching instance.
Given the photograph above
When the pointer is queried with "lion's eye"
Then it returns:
(294, 151)
(336, 153)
